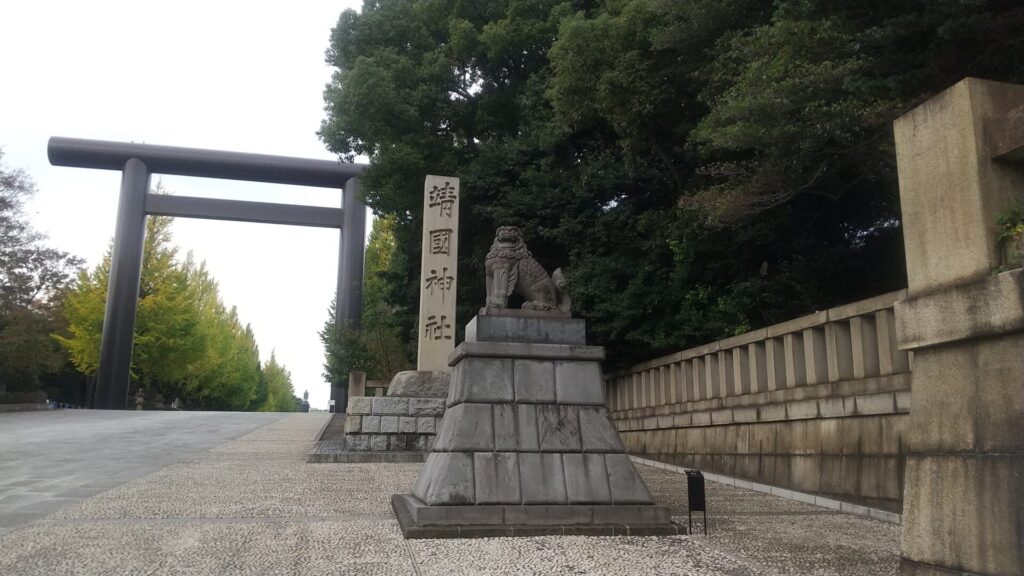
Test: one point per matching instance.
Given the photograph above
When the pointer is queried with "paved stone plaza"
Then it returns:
(252, 505)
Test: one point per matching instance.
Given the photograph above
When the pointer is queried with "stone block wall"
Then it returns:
(818, 404)
(386, 423)
(961, 169)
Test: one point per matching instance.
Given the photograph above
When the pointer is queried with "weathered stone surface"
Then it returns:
(445, 479)
(426, 424)
(407, 424)
(466, 427)
(534, 381)
(991, 305)
(520, 313)
(378, 442)
(526, 428)
(951, 191)
(425, 476)
(965, 512)
(353, 424)
(399, 442)
(438, 271)
(505, 428)
(420, 384)
(483, 380)
(522, 350)
(426, 406)
(454, 386)
(586, 479)
(356, 384)
(626, 485)
(360, 405)
(387, 406)
(542, 479)
(517, 329)
(497, 478)
(597, 432)
(371, 424)
(579, 383)
(558, 428)
(549, 515)
(389, 424)
(453, 515)
(357, 442)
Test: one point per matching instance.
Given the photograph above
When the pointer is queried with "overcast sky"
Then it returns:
(229, 75)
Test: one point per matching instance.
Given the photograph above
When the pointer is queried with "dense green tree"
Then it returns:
(187, 345)
(226, 375)
(280, 393)
(33, 279)
(376, 346)
(167, 344)
(704, 167)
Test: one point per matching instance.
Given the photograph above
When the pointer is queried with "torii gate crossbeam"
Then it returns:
(138, 161)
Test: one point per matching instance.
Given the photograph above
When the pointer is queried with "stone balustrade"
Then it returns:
(850, 342)
(816, 404)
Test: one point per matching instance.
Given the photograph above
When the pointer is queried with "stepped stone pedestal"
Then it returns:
(399, 427)
(404, 421)
(526, 446)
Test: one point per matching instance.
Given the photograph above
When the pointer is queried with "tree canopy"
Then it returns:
(376, 346)
(33, 279)
(188, 345)
(703, 167)
(280, 391)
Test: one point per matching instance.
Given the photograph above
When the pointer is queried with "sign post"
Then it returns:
(438, 272)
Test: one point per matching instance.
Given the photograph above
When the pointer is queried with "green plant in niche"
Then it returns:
(1011, 224)
(1011, 238)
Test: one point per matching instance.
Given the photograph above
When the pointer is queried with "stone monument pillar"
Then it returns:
(402, 425)
(963, 319)
(526, 446)
(438, 272)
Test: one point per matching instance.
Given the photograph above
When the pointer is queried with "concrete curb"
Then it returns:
(320, 433)
(845, 507)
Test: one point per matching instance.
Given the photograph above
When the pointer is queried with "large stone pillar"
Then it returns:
(438, 273)
(963, 506)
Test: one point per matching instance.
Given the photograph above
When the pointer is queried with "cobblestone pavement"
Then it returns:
(253, 506)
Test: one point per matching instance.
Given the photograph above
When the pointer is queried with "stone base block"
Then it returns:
(379, 442)
(492, 328)
(419, 384)
(418, 520)
(366, 457)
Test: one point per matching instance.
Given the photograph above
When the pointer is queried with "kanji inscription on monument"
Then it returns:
(438, 272)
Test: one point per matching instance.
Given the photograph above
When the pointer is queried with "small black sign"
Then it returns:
(695, 498)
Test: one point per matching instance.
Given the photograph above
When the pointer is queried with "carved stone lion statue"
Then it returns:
(512, 269)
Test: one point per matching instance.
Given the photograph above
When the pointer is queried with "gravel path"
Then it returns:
(253, 506)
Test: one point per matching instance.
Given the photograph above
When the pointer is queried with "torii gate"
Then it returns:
(138, 161)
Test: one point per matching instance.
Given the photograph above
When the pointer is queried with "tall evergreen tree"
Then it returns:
(280, 392)
(704, 167)
(377, 347)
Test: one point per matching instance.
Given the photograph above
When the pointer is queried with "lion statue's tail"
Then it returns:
(562, 300)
